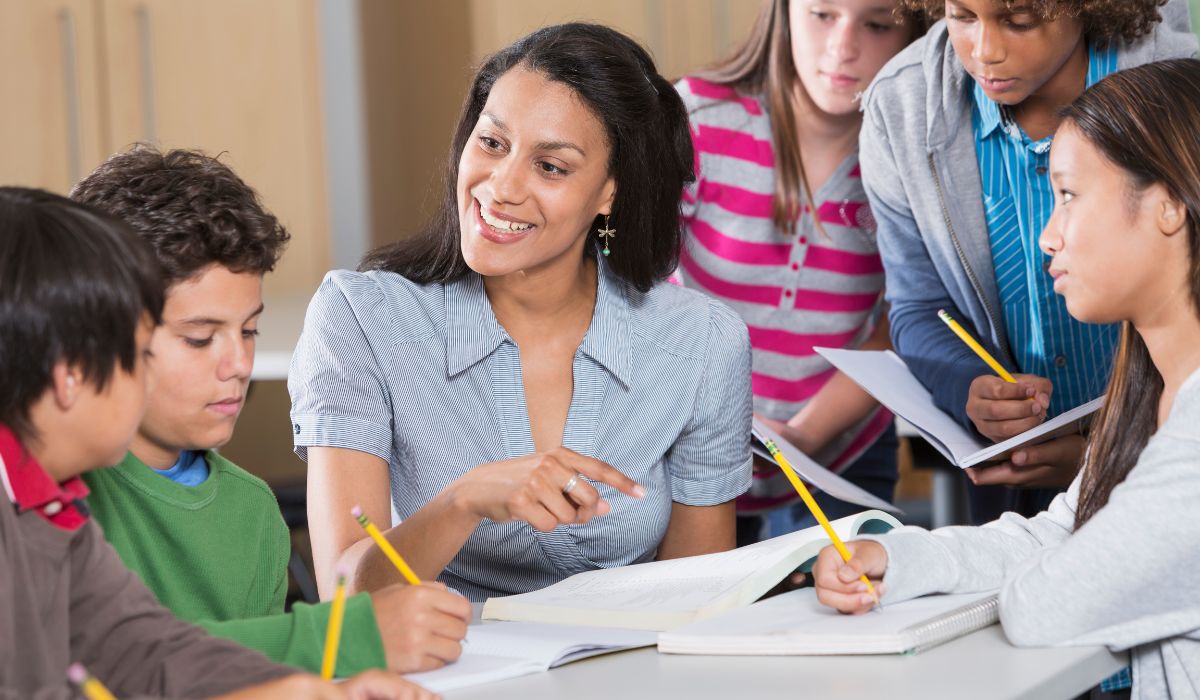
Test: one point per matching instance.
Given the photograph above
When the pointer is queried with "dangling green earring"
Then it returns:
(605, 234)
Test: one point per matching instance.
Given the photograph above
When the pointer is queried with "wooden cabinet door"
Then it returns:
(235, 78)
(51, 129)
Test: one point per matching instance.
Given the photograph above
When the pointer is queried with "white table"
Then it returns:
(979, 666)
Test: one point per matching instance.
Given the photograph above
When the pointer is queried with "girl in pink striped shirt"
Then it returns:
(778, 228)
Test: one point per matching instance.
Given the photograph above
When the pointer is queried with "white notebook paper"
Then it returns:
(660, 595)
(795, 623)
(885, 376)
(502, 650)
(816, 475)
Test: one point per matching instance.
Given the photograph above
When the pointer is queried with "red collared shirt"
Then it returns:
(29, 487)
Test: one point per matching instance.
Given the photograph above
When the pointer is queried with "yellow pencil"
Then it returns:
(390, 551)
(333, 632)
(974, 345)
(91, 687)
(809, 501)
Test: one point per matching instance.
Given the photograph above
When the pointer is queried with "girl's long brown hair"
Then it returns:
(763, 65)
(1145, 120)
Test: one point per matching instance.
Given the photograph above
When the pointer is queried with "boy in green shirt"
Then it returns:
(204, 535)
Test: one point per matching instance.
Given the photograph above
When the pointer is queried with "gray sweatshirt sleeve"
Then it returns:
(1124, 579)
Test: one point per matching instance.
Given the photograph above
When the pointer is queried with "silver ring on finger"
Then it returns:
(571, 484)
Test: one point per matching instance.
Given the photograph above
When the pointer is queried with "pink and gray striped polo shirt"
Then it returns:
(795, 292)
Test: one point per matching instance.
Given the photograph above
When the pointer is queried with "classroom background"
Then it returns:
(339, 112)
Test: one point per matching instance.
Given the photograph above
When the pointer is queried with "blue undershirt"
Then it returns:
(191, 469)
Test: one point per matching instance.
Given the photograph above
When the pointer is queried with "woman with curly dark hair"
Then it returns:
(955, 154)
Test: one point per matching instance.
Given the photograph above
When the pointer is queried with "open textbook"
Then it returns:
(815, 474)
(885, 376)
(661, 595)
(502, 650)
(795, 623)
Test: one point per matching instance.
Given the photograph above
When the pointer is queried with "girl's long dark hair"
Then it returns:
(762, 66)
(651, 153)
(1145, 121)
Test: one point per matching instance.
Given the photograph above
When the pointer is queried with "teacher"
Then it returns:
(518, 381)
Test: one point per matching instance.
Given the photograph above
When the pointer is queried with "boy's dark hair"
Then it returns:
(1103, 20)
(74, 285)
(192, 209)
(651, 153)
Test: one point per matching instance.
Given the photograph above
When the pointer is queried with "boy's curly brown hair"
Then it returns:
(192, 209)
(1104, 20)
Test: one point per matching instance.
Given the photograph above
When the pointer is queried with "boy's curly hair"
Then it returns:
(192, 209)
(1104, 20)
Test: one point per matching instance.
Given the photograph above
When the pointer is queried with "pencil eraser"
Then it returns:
(342, 571)
(76, 673)
(356, 511)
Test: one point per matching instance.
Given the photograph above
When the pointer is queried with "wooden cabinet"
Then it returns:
(681, 35)
(52, 118)
(85, 78)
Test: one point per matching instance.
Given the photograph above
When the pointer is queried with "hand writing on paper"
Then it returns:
(531, 489)
(837, 581)
(1052, 464)
(421, 626)
(1001, 409)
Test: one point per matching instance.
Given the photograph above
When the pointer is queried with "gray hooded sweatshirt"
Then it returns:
(921, 174)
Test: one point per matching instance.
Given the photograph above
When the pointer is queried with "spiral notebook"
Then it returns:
(795, 623)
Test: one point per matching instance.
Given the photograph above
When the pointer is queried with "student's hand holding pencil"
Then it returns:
(422, 627)
(1001, 409)
(838, 582)
(545, 489)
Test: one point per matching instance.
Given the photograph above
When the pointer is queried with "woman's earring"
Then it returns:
(605, 234)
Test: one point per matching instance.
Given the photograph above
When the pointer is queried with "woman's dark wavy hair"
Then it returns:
(74, 285)
(651, 153)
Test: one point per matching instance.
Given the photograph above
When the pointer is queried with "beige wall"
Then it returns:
(419, 58)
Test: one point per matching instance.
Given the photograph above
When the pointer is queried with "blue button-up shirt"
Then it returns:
(1018, 201)
(423, 376)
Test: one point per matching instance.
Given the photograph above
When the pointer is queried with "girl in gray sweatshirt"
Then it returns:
(1113, 561)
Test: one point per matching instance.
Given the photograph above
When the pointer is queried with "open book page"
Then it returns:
(663, 594)
(885, 376)
(509, 649)
(796, 623)
(817, 475)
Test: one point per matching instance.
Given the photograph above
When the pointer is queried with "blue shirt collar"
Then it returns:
(473, 333)
(1101, 62)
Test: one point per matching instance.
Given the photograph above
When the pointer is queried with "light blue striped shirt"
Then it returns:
(424, 377)
(1018, 201)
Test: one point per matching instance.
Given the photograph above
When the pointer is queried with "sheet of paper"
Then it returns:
(500, 650)
(885, 376)
(1066, 423)
(551, 645)
(819, 476)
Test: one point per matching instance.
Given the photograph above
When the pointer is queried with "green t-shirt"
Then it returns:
(216, 554)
